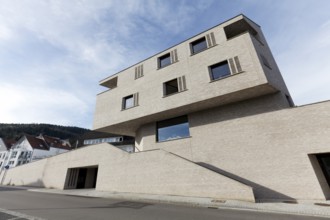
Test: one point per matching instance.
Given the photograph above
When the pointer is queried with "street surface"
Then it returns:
(14, 201)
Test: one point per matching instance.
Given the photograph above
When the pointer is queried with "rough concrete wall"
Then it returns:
(268, 151)
(155, 172)
(160, 172)
(31, 174)
(109, 112)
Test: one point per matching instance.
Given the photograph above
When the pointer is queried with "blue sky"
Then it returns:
(53, 53)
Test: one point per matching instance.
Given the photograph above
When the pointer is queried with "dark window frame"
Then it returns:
(124, 102)
(197, 42)
(167, 84)
(163, 57)
(177, 121)
(212, 67)
(319, 157)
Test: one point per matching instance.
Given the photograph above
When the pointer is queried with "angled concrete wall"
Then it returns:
(268, 150)
(151, 172)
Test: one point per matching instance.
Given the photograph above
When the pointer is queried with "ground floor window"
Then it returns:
(174, 128)
(324, 160)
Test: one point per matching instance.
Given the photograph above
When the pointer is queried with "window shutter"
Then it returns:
(174, 56)
(238, 65)
(232, 66)
(213, 39)
(136, 99)
(182, 84)
(139, 71)
(210, 39)
(235, 65)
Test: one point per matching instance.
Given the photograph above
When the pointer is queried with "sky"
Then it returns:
(53, 53)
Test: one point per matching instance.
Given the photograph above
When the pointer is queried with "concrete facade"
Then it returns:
(155, 172)
(253, 80)
(244, 138)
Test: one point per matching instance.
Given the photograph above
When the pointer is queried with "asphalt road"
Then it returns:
(62, 207)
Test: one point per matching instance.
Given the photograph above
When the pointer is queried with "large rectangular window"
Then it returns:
(164, 60)
(198, 45)
(171, 129)
(219, 70)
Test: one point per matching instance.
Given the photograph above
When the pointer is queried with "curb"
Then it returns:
(279, 208)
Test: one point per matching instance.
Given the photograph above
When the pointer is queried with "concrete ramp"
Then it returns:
(152, 172)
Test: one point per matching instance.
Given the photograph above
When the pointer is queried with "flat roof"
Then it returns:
(102, 81)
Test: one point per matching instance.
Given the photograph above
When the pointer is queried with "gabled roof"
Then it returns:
(9, 143)
(36, 143)
(56, 142)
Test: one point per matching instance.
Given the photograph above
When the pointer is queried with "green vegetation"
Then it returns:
(15, 131)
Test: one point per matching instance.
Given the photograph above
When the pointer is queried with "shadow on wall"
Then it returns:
(258, 190)
(149, 130)
(38, 183)
(320, 175)
(10, 182)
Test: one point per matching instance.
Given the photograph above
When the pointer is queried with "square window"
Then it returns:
(164, 60)
(219, 70)
(171, 129)
(198, 45)
(171, 87)
(128, 102)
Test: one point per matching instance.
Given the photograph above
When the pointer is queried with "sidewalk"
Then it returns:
(309, 208)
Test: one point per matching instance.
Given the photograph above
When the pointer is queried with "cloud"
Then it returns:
(56, 51)
(30, 105)
(53, 53)
(306, 64)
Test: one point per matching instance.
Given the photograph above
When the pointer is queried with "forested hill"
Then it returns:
(14, 131)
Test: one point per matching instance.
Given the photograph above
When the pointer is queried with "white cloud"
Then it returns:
(56, 51)
(39, 104)
(53, 53)
(306, 65)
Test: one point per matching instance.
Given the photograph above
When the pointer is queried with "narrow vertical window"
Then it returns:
(265, 61)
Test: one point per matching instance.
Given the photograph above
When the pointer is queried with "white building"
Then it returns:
(4, 151)
(29, 148)
(125, 143)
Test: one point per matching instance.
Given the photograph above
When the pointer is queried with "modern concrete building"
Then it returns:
(211, 117)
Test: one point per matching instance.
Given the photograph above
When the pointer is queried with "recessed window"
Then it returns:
(171, 129)
(128, 102)
(171, 87)
(265, 61)
(164, 60)
(198, 45)
(219, 70)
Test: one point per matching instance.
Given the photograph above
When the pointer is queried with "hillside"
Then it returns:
(14, 131)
